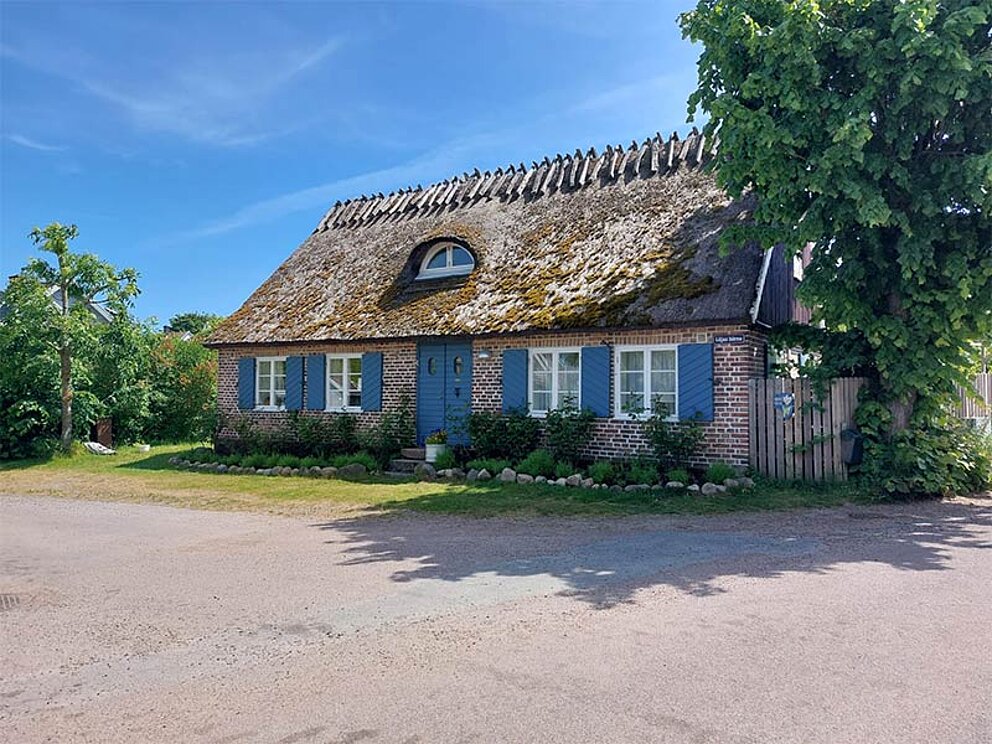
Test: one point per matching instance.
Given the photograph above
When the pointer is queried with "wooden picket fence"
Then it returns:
(807, 445)
(970, 408)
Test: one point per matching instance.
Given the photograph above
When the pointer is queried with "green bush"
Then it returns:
(317, 436)
(564, 469)
(674, 443)
(603, 471)
(641, 472)
(446, 460)
(679, 475)
(955, 460)
(567, 431)
(509, 436)
(538, 462)
(718, 472)
(370, 462)
(394, 430)
(492, 464)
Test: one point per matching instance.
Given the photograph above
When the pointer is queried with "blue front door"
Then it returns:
(444, 390)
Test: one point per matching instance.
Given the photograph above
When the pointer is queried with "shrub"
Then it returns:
(394, 430)
(446, 460)
(930, 462)
(567, 432)
(491, 464)
(318, 437)
(359, 458)
(640, 472)
(603, 472)
(538, 462)
(508, 436)
(679, 475)
(288, 461)
(564, 469)
(674, 443)
(718, 472)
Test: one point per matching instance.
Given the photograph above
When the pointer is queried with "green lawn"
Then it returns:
(147, 477)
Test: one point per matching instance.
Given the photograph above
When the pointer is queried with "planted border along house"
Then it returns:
(592, 277)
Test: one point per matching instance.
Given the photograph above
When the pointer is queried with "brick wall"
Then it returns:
(726, 438)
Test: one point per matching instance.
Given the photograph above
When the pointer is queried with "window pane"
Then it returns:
(355, 365)
(279, 367)
(664, 402)
(631, 385)
(460, 257)
(355, 382)
(264, 367)
(662, 382)
(631, 361)
(335, 366)
(439, 260)
(568, 379)
(280, 397)
(663, 359)
(541, 382)
(335, 398)
(542, 362)
(355, 398)
(542, 401)
(569, 360)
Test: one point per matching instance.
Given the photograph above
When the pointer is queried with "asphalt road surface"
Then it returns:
(134, 623)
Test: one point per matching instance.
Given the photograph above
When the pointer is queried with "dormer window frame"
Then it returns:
(450, 269)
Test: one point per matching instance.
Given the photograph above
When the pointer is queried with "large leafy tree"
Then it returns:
(79, 281)
(865, 129)
(195, 322)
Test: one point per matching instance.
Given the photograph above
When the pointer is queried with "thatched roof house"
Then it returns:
(590, 245)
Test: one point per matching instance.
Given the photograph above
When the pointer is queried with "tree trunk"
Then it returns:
(65, 365)
(901, 408)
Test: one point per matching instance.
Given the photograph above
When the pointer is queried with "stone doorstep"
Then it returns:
(404, 465)
(413, 453)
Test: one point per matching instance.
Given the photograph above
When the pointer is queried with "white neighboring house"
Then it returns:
(100, 314)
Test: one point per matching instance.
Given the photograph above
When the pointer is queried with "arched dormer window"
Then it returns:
(446, 259)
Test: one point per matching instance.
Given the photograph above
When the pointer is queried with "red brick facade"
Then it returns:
(733, 365)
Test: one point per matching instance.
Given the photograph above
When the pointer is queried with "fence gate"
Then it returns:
(795, 437)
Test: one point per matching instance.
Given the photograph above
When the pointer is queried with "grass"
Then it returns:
(147, 477)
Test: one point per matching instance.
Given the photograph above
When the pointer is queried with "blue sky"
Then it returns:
(201, 143)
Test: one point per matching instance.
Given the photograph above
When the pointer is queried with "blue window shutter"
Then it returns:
(514, 380)
(372, 381)
(246, 383)
(316, 382)
(596, 380)
(294, 383)
(696, 382)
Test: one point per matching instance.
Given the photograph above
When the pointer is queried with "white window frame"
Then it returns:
(347, 383)
(555, 351)
(272, 388)
(618, 411)
(449, 269)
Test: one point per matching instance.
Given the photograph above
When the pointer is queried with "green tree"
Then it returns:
(183, 381)
(80, 280)
(195, 323)
(863, 127)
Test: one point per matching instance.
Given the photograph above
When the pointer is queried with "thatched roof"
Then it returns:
(626, 237)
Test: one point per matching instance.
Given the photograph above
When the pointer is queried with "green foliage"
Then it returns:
(199, 324)
(371, 463)
(493, 465)
(640, 472)
(438, 436)
(956, 460)
(674, 443)
(567, 431)
(509, 436)
(183, 397)
(538, 462)
(863, 129)
(321, 437)
(679, 475)
(718, 472)
(394, 430)
(563, 469)
(446, 460)
(603, 471)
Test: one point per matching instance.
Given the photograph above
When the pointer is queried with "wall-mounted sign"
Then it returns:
(728, 339)
(786, 403)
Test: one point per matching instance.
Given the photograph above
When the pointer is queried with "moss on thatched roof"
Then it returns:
(627, 237)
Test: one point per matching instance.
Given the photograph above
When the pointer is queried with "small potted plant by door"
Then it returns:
(436, 443)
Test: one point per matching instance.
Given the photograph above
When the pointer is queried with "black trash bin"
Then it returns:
(851, 446)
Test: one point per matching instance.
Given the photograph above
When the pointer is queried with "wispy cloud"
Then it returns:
(33, 144)
(215, 99)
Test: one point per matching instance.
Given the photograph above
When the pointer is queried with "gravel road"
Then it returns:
(142, 623)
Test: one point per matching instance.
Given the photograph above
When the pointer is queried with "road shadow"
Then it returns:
(605, 562)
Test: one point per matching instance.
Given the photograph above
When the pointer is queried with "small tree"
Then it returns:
(195, 323)
(79, 280)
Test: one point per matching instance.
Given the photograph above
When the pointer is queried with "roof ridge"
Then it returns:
(656, 156)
